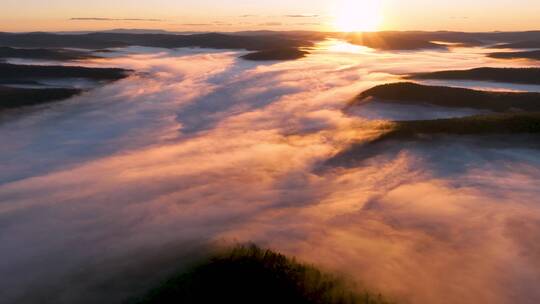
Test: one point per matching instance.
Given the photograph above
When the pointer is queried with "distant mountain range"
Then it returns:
(100, 40)
(266, 40)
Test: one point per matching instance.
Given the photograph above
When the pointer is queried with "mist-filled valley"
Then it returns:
(165, 153)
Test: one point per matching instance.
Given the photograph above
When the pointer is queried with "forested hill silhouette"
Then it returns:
(414, 40)
(11, 98)
(500, 130)
(111, 40)
(527, 44)
(265, 40)
(16, 72)
(44, 54)
(12, 76)
(517, 55)
(508, 75)
(276, 54)
(416, 94)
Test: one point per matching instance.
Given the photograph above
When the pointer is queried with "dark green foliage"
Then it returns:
(248, 274)
(276, 54)
(510, 75)
(411, 93)
(16, 97)
(17, 72)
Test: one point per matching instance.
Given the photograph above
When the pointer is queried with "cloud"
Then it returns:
(308, 23)
(113, 19)
(302, 16)
(270, 24)
(222, 23)
(198, 24)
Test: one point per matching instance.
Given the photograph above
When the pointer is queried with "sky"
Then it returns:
(220, 15)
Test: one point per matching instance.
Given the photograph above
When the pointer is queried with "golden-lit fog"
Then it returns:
(201, 147)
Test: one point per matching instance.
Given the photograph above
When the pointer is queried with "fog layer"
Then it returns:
(200, 146)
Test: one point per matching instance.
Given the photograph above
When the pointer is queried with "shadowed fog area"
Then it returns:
(118, 188)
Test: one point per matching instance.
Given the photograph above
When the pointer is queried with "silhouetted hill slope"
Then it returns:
(507, 130)
(516, 55)
(253, 275)
(48, 40)
(11, 74)
(476, 38)
(298, 35)
(392, 41)
(416, 40)
(17, 97)
(107, 40)
(507, 123)
(509, 75)
(16, 72)
(411, 93)
(262, 40)
(276, 54)
(138, 31)
(479, 38)
(45, 54)
(528, 44)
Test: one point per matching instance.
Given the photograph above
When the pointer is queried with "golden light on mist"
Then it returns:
(358, 15)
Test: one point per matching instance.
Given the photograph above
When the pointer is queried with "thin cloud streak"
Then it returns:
(113, 19)
(302, 16)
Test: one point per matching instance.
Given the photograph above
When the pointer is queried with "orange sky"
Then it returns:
(219, 15)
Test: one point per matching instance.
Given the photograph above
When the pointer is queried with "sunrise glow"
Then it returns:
(358, 16)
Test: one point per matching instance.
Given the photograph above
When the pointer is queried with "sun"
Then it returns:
(358, 15)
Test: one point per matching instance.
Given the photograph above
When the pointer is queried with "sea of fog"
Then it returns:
(102, 194)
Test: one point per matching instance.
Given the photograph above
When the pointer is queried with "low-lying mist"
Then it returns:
(107, 191)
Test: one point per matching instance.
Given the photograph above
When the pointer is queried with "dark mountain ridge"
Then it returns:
(44, 54)
(508, 75)
(100, 40)
(412, 93)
